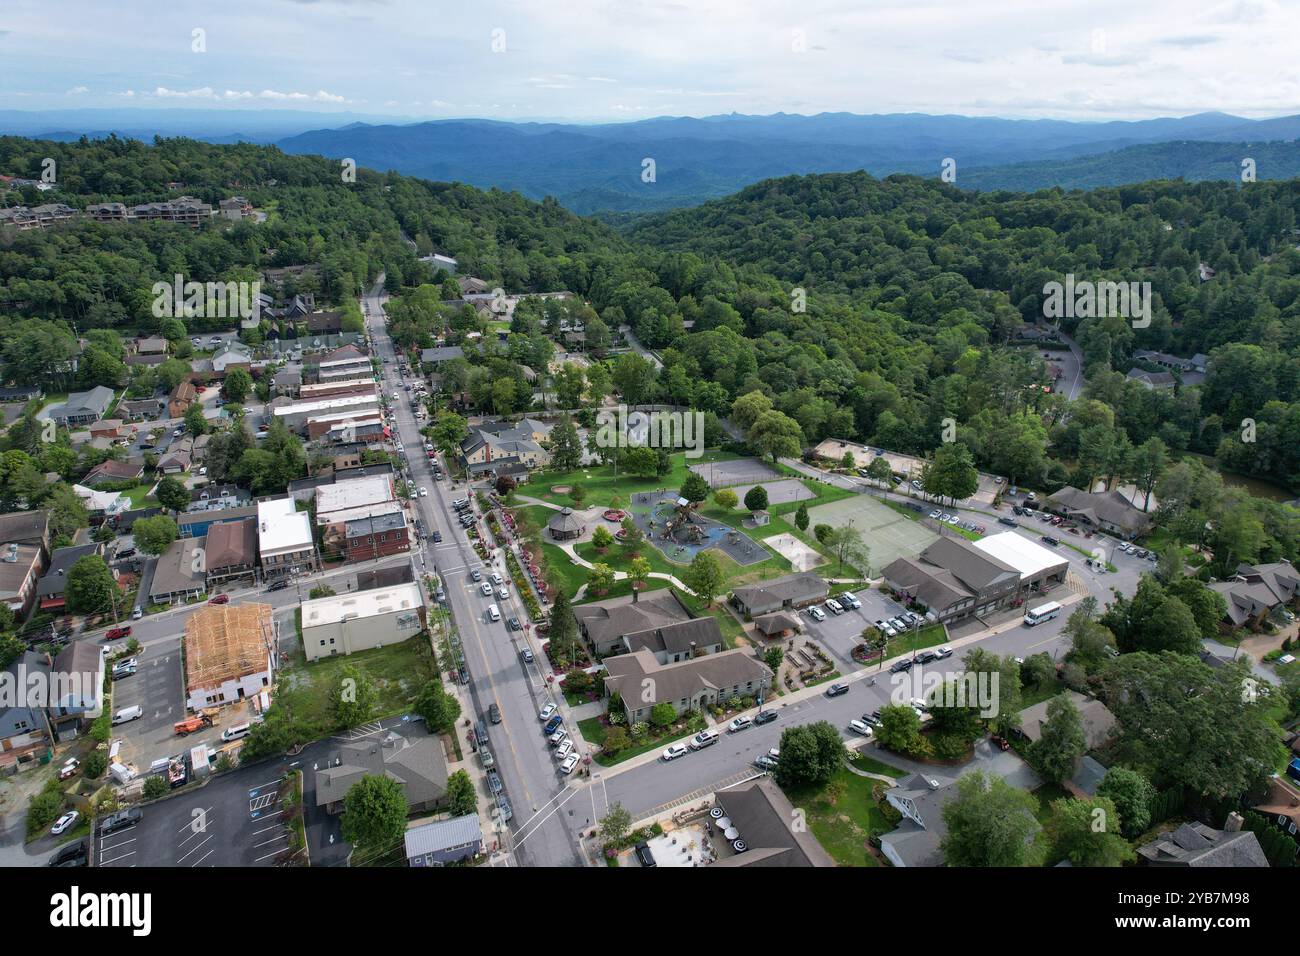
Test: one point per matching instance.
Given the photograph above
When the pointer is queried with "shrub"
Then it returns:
(94, 765)
(154, 787)
(616, 739)
(44, 808)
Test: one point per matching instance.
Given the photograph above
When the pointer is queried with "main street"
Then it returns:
(541, 835)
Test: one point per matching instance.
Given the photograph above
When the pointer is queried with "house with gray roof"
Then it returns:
(605, 624)
(1098, 722)
(1151, 379)
(1108, 510)
(180, 572)
(1198, 845)
(695, 683)
(782, 594)
(413, 758)
(49, 589)
(761, 815)
(82, 408)
(1256, 591)
(920, 799)
(446, 353)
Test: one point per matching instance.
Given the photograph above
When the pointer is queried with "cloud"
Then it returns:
(78, 91)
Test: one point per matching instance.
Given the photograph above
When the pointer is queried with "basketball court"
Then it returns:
(735, 471)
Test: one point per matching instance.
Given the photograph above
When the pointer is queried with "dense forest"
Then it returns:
(859, 308)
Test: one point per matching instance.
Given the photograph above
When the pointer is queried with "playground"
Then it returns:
(885, 531)
(680, 533)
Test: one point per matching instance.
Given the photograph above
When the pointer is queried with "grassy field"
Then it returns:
(601, 483)
(843, 815)
(593, 731)
(139, 494)
(398, 671)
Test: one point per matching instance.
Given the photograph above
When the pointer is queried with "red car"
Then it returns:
(113, 633)
(200, 389)
(219, 599)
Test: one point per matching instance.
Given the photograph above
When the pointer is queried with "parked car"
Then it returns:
(764, 717)
(835, 690)
(485, 589)
(564, 750)
(494, 781)
(503, 594)
(65, 822)
(834, 606)
(705, 738)
(943, 652)
(514, 624)
(475, 574)
(69, 768)
(128, 714)
(817, 614)
(850, 601)
(926, 657)
(74, 854)
(859, 727)
(124, 669)
(527, 655)
(740, 723)
(494, 713)
(219, 599)
(900, 665)
(278, 585)
(1050, 541)
(1009, 522)
(546, 712)
(558, 737)
(674, 751)
(120, 820)
(644, 856)
(552, 724)
(116, 633)
(764, 762)
(872, 719)
(569, 763)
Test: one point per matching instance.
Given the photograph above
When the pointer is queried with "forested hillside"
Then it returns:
(914, 292)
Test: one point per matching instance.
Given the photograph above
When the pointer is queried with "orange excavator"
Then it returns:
(204, 718)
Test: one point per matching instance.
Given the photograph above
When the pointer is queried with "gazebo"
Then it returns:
(565, 525)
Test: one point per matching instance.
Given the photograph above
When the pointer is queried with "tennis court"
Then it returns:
(735, 471)
(887, 533)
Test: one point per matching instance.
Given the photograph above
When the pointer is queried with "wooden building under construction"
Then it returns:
(229, 654)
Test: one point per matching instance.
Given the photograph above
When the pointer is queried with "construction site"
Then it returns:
(229, 656)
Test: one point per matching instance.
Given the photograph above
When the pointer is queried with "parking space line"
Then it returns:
(204, 857)
(197, 848)
(103, 862)
(190, 825)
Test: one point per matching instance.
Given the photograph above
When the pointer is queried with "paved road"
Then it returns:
(540, 836)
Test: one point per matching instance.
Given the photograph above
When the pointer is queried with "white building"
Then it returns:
(352, 493)
(347, 623)
(295, 416)
(284, 538)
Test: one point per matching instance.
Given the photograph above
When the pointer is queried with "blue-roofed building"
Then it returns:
(444, 841)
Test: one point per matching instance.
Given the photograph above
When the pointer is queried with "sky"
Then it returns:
(601, 60)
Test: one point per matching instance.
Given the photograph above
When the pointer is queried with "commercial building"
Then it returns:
(345, 623)
(231, 551)
(413, 758)
(229, 654)
(295, 415)
(180, 573)
(783, 594)
(444, 841)
(284, 538)
(760, 814)
(1106, 510)
(21, 566)
(695, 683)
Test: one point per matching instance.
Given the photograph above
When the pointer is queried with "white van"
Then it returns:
(494, 612)
(236, 732)
(128, 714)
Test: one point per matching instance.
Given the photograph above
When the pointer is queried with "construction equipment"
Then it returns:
(204, 718)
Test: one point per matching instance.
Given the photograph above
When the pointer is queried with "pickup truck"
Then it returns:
(115, 633)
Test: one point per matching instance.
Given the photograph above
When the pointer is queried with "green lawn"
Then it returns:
(593, 731)
(398, 671)
(872, 765)
(843, 815)
(601, 483)
(138, 494)
(932, 635)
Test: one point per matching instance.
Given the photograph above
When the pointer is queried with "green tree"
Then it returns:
(94, 765)
(615, 824)
(694, 489)
(662, 715)
(801, 517)
(195, 423)
(1131, 794)
(756, 498)
(776, 435)
(725, 499)
(990, 823)
(1086, 832)
(1062, 743)
(237, 386)
(773, 657)
(438, 708)
(90, 588)
(353, 699)
(638, 569)
(601, 539)
(600, 578)
(172, 493)
(461, 796)
(704, 577)
(810, 755)
(154, 535)
(566, 448)
(154, 787)
(900, 731)
(374, 814)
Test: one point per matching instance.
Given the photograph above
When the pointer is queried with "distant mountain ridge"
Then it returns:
(602, 168)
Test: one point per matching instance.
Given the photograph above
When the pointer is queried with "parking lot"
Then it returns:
(840, 633)
(233, 821)
(157, 687)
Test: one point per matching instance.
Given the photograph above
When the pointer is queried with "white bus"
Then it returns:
(1044, 612)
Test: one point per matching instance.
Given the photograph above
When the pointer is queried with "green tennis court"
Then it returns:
(887, 533)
